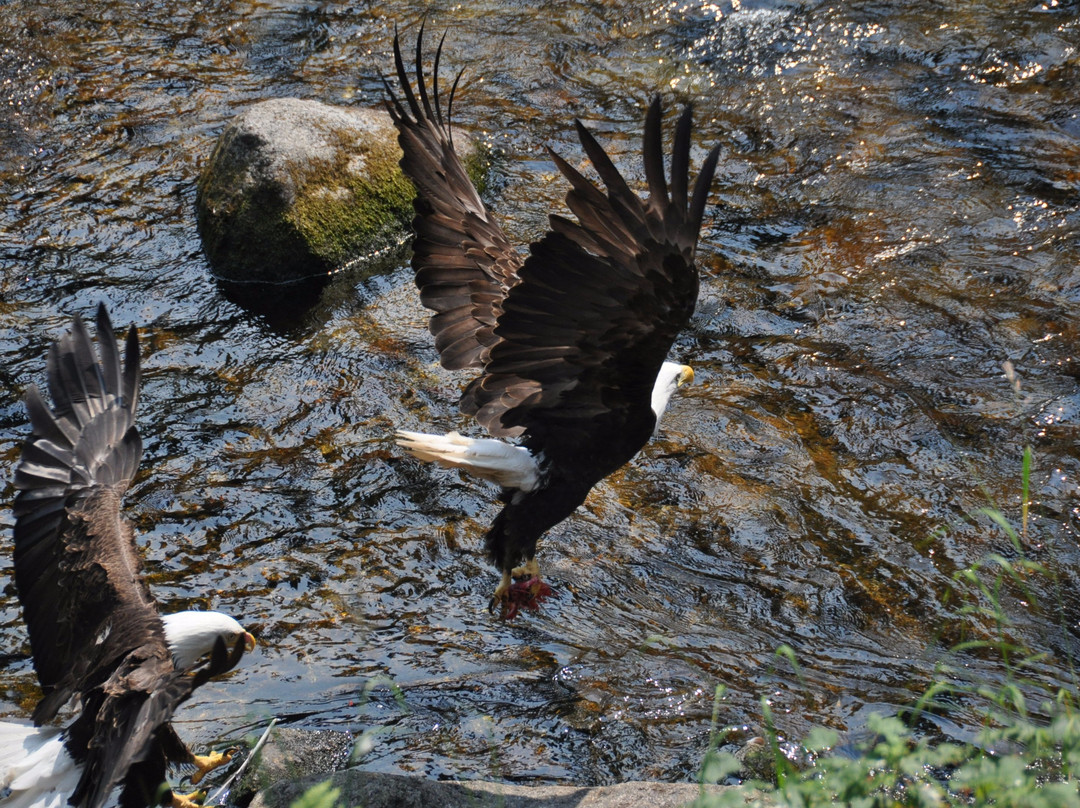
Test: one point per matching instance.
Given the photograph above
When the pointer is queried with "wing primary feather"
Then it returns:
(394, 107)
(403, 80)
(435, 76)
(132, 369)
(653, 153)
(85, 370)
(680, 159)
(450, 106)
(421, 87)
(42, 421)
(616, 185)
(66, 382)
(110, 355)
(577, 179)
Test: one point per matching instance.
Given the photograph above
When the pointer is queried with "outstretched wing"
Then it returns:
(461, 257)
(77, 569)
(582, 336)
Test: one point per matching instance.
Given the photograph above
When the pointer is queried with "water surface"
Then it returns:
(896, 216)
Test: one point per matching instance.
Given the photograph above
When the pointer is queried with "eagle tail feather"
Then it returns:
(502, 463)
(36, 770)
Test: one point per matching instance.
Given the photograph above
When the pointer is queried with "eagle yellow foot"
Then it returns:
(527, 593)
(501, 597)
(206, 764)
(192, 800)
(530, 569)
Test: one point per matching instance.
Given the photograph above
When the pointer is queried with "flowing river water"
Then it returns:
(896, 215)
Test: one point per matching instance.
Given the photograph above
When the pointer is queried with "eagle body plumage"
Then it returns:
(95, 632)
(570, 341)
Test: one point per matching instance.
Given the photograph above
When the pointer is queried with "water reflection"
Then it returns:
(897, 216)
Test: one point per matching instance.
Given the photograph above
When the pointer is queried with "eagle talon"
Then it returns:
(192, 800)
(501, 596)
(527, 593)
(206, 764)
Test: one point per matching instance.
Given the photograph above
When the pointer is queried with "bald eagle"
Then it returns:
(570, 341)
(95, 631)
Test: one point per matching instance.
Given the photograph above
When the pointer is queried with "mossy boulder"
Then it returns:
(296, 189)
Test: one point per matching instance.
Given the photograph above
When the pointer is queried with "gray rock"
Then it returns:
(295, 760)
(293, 755)
(295, 189)
(375, 790)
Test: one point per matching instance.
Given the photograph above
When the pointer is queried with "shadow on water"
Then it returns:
(283, 305)
(896, 216)
(306, 305)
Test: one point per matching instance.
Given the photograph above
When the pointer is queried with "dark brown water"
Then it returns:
(897, 214)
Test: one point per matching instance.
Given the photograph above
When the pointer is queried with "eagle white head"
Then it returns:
(671, 377)
(191, 635)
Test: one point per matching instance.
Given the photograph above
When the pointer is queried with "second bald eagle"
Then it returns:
(572, 340)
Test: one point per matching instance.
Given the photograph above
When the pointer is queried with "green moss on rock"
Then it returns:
(344, 214)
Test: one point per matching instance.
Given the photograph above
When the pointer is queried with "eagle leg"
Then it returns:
(192, 800)
(206, 764)
(530, 569)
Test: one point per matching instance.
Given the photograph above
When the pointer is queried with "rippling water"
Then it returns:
(897, 215)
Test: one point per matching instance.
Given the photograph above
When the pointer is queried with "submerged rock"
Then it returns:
(296, 188)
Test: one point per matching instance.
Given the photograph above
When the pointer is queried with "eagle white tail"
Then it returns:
(36, 770)
(502, 463)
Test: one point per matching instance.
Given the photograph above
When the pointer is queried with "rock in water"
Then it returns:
(296, 189)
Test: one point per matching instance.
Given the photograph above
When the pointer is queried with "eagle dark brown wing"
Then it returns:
(597, 304)
(78, 572)
(462, 259)
(582, 336)
(133, 741)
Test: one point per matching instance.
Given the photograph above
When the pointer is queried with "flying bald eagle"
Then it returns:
(571, 340)
(95, 631)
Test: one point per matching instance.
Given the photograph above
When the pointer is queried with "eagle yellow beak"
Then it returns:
(249, 642)
(686, 376)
